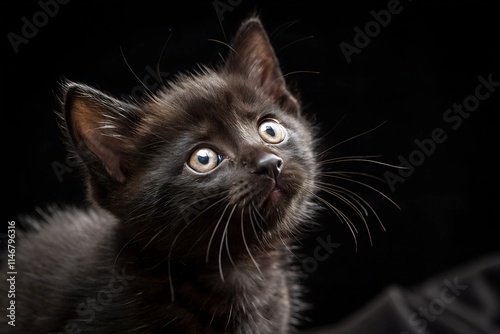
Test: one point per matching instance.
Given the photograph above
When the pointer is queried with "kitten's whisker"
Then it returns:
(352, 138)
(360, 201)
(204, 199)
(199, 214)
(222, 239)
(154, 237)
(263, 237)
(357, 159)
(342, 217)
(367, 186)
(161, 55)
(343, 199)
(354, 207)
(256, 212)
(185, 198)
(335, 188)
(299, 72)
(292, 43)
(352, 193)
(263, 220)
(225, 44)
(213, 316)
(259, 223)
(329, 131)
(352, 158)
(288, 248)
(131, 70)
(260, 215)
(229, 317)
(215, 230)
(126, 244)
(168, 323)
(253, 223)
(226, 237)
(366, 213)
(280, 29)
(347, 174)
(287, 74)
(246, 245)
(221, 26)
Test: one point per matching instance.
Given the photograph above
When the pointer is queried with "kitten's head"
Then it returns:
(224, 155)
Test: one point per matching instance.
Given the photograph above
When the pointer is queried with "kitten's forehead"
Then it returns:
(210, 104)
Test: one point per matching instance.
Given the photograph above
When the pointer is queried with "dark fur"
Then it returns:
(136, 262)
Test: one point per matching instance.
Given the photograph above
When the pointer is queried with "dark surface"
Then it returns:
(425, 60)
(444, 304)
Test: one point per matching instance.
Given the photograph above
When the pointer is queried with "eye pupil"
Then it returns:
(270, 131)
(203, 158)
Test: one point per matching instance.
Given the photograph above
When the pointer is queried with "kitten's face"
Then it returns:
(224, 156)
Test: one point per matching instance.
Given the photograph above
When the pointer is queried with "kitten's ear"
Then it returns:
(254, 57)
(99, 127)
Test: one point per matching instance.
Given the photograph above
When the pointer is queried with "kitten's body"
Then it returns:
(87, 290)
(142, 260)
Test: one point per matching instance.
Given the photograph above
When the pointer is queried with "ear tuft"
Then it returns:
(99, 127)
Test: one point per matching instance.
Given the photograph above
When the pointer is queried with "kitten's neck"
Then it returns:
(250, 295)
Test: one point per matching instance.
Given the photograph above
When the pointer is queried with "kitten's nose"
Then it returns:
(269, 164)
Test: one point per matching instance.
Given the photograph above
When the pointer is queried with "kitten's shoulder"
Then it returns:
(61, 254)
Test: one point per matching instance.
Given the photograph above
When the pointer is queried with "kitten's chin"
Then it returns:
(275, 196)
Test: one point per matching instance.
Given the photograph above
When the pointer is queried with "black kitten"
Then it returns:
(196, 194)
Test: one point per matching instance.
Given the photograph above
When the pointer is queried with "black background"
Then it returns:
(427, 58)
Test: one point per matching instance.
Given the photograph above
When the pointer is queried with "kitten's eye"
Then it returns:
(204, 160)
(272, 132)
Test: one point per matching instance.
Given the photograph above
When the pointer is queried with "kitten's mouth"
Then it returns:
(275, 194)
